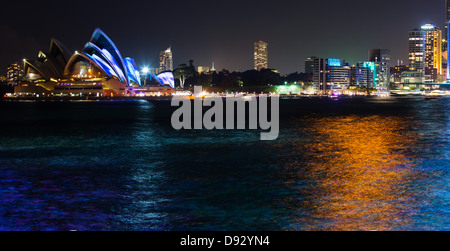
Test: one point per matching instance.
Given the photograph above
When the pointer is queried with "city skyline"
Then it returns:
(228, 41)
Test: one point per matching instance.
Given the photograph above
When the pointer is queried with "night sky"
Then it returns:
(219, 31)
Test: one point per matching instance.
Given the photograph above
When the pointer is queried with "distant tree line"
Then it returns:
(186, 76)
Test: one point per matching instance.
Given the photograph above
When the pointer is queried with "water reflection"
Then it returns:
(121, 166)
(360, 167)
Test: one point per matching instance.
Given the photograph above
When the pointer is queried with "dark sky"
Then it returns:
(220, 31)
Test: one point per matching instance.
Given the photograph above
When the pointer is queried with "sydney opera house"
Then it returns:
(98, 70)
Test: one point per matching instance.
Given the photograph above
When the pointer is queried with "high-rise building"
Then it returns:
(425, 51)
(447, 19)
(166, 60)
(361, 76)
(446, 39)
(320, 74)
(330, 73)
(309, 65)
(416, 50)
(261, 55)
(382, 59)
(14, 73)
(373, 68)
(338, 72)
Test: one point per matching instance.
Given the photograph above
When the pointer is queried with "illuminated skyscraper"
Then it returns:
(447, 18)
(14, 73)
(425, 51)
(330, 74)
(382, 60)
(261, 55)
(446, 38)
(361, 76)
(166, 60)
(309, 65)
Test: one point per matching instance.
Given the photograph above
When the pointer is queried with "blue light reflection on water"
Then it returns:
(120, 166)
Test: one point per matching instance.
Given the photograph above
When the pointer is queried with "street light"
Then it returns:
(145, 71)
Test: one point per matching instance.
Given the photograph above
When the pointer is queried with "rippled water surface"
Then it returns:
(352, 164)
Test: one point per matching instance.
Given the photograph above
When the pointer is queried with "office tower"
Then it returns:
(447, 19)
(320, 74)
(433, 51)
(338, 72)
(166, 60)
(446, 31)
(361, 76)
(330, 73)
(416, 50)
(446, 38)
(14, 73)
(425, 51)
(261, 55)
(309, 65)
(373, 68)
(382, 59)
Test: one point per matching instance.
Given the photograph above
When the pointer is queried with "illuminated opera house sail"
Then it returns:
(98, 70)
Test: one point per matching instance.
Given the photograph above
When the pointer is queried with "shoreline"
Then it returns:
(168, 98)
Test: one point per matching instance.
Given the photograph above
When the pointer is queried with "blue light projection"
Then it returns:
(373, 67)
(96, 61)
(115, 65)
(102, 52)
(133, 72)
(334, 62)
(166, 78)
(101, 40)
(105, 66)
(93, 49)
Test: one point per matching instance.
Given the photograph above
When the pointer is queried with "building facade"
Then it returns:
(446, 39)
(396, 73)
(447, 20)
(331, 74)
(361, 76)
(166, 60)
(14, 73)
(320, 74)
(412, 77)
(425, 51)
(382, 59)
(261, 55)
(338, 73)
(309, 65)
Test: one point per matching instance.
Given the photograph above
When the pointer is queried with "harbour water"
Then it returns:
(348, 164)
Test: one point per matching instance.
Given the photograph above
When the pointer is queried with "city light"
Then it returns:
(428, 26)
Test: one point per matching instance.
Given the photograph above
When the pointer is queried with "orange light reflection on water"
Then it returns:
(360, 167)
